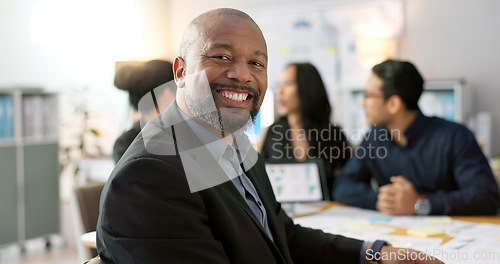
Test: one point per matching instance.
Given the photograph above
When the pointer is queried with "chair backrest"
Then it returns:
(95, 260)
(88, 197)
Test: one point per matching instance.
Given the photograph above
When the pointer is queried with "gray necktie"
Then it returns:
(250, 193)
(254, 202)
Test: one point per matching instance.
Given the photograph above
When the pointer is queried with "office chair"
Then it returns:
(95, 260)
(88, 197)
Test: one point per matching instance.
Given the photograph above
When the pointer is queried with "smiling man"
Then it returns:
(190, 189)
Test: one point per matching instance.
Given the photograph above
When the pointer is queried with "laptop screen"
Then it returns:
(298, 181)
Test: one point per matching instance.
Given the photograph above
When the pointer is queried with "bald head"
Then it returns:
(205, 23)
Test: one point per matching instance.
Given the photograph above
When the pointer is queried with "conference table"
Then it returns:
(89, 239)
(473, 219)
(404, 231)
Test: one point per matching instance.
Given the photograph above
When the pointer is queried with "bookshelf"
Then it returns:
(29, 182)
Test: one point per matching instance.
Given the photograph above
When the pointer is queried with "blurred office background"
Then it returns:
(66, 52)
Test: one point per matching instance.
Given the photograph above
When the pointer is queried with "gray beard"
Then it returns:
(222, 120)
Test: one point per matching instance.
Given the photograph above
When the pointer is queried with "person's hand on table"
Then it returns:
(397, 198)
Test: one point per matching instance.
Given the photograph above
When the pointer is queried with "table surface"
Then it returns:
(474, 219)
(89, 239)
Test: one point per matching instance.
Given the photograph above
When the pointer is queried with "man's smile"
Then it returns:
(234, 95)
(238, 97)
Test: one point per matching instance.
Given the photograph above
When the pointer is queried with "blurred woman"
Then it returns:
(303, 131)
(138, 81)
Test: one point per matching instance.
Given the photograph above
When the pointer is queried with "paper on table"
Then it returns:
(380, 219)
(456, 227)
(336, 225)
(484, 236)
(484, 231)
(423, 244)
(473, 242)
(408, 221)
(358, 225)
(469, 250)
(425, 231)
(437, 220)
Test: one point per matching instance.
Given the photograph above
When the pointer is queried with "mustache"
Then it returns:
(245, 88)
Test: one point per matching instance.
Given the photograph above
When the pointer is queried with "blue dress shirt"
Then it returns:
(442, 159)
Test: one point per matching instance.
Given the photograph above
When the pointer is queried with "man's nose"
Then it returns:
(362, 102)
(239, 71)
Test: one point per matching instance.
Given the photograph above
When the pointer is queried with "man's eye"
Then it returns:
(221, 57)
(256, 63)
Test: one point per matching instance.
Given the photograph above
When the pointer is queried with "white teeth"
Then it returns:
(235, 97)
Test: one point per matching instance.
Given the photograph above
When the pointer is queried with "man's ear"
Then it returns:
(395, 104)
(179, 69)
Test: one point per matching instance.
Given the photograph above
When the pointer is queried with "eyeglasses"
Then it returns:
(368, 95)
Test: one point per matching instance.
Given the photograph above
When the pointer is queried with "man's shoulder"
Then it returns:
(443, 127)
(153, 144)
(141, 169)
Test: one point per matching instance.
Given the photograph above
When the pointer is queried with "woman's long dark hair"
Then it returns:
(315, 110)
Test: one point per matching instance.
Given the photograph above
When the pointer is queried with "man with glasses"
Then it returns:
(429, 165)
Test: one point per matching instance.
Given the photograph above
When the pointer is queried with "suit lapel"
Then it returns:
(258, 176)
(234, 194)
(203, 171)
(188, 142)
(201, 168)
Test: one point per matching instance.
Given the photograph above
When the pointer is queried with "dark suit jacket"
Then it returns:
(149, 215)
(124, 140)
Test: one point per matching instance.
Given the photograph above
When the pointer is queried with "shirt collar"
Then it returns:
(417, 126)
(215, 145)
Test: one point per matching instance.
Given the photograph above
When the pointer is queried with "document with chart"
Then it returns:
(296, 182)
